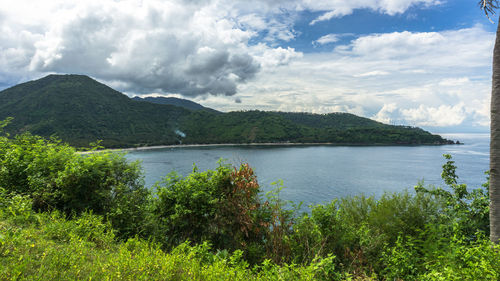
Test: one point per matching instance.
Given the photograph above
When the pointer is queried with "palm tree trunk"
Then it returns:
(495, 144)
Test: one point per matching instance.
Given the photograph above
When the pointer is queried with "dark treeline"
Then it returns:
(261, 126)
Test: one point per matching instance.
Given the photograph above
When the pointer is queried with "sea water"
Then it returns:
(318, 174)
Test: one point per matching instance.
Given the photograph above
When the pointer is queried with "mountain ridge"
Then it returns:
(80, 110)
(188, 104)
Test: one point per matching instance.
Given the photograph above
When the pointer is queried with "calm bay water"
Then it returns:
(318, 174)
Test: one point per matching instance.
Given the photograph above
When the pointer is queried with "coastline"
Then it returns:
(153, 147)
(140, 148)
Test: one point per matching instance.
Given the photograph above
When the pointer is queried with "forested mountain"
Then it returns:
(191, 105)
(80, 110)
(262, 126)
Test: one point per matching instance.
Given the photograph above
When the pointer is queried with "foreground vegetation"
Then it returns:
(67, 216)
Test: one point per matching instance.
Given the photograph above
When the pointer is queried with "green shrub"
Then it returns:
(434, 257)
(106, 184)
(459, 259)
(186, 208)
(50, 247)
(454, 246)
(357, 229)
(463, 210)
(56, 177)
(221, 206)
(403, 260)
(30, 164)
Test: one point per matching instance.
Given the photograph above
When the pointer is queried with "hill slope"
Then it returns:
(261, 126)
(80, 110)
(187, 104)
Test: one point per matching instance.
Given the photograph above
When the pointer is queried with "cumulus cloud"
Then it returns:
(444, 115)
(187, 47)
(372, 73)
(327, 39)
(144, 46)
(408, 78)
(423, 115)
(270, 58)
(191, 48)
(386, 114)
(330, 8)
(337, 9)
(212, 49)
(454, 82)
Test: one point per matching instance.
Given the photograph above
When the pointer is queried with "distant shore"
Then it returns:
(141, 148)
(221, 144)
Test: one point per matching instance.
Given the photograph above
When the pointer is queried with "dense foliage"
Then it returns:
(176, 102)
(66, 215)
(261, 127)
(79, 110)
(46, 246)
(220, 206)
(55, 177)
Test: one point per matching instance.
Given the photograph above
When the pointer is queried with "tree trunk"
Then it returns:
(495, 144)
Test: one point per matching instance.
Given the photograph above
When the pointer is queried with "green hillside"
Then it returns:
(80, 110)
(191, 105)
(261, 126)
(332, 120)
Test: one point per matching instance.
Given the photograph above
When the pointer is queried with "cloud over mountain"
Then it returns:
(254, 52)
(186, 47)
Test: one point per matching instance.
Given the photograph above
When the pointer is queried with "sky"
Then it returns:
(424, 63)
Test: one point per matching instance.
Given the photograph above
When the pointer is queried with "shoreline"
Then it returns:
(221, 144)
(153, 147)
(141, 148)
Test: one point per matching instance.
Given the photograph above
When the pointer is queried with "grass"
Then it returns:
(46, 246)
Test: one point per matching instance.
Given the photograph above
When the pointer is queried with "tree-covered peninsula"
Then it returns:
(79, 110)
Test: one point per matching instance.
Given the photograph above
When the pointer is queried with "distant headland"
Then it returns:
(80, 110)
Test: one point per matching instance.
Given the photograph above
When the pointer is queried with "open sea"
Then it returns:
(318, 174)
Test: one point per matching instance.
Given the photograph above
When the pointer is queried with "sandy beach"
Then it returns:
(214, 145)
(246, 144)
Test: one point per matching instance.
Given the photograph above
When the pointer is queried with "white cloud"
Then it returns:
(270, 58)
(195, 48)
(423, 115)
(337, 9)
(454, 82)
(165, 46)
(444, 115)
(329, 38)
(156, 45)
(421, 78)
(253, 21)
(386, 113)
(372, 73)
(192, 48)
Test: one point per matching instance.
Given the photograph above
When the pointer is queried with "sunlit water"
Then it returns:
(318, 174)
